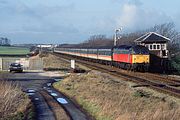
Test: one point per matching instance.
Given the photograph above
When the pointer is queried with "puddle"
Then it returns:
(54, 94)
(58, 80)
(36, 98)
(50, 91)
(79, 74)
(62, 100)
(30, 94)
(49, 84)
(31, 91)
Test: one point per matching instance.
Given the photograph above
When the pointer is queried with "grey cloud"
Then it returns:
(68, 21)
(16, 11)
(39, 19)
(134, 17)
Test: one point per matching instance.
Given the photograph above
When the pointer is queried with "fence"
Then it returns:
(28, 64)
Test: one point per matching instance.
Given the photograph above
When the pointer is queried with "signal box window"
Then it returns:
(163, 47)
(158, 47)
(164, 53)
(150, 47)
(154, 47)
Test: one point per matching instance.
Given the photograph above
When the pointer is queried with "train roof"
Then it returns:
(134, 47)
(123, 47)
(101, 47)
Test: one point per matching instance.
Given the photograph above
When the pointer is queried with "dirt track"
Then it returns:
(37, 85)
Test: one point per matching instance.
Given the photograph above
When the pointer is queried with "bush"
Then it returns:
(176, 63)
(140, 93)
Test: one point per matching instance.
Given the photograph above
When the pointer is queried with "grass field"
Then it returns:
(107, 98)
(13, 50)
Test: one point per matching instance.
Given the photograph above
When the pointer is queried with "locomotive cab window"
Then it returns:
(140, 50)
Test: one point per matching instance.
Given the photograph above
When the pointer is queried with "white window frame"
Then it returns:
(150, 47)
(157, 47)
(154, 47)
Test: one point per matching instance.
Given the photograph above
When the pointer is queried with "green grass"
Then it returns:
(13, 50)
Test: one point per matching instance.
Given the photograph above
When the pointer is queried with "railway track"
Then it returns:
(153, 81)
(163, 79)
(174, 82)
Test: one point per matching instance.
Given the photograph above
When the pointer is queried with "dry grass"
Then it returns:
(12, 100)
(106, 99)
(57, 63)
(51, 61)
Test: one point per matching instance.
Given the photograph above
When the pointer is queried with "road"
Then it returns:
(38, 85)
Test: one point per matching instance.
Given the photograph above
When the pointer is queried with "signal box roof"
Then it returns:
(152, 37)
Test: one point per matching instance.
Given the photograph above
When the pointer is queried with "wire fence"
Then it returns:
(28, 64)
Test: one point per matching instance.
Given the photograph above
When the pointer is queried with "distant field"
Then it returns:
(13, 50)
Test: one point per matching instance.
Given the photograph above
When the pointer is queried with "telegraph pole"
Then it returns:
(115, 35)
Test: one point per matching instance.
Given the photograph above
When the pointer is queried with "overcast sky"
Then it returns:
(73, 21)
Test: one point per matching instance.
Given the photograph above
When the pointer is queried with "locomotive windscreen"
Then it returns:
(138, 49)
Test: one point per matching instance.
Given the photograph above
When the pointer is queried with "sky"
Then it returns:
(74, 21)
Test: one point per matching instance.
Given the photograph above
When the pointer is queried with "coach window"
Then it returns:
(103, 53)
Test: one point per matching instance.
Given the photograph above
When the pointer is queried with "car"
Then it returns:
(17, 67)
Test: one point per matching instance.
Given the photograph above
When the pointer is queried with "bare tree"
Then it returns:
(101, 41)
(5, 42)
(98, 41)
(168, 30)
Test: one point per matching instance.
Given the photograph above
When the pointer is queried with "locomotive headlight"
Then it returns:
(147, 59)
